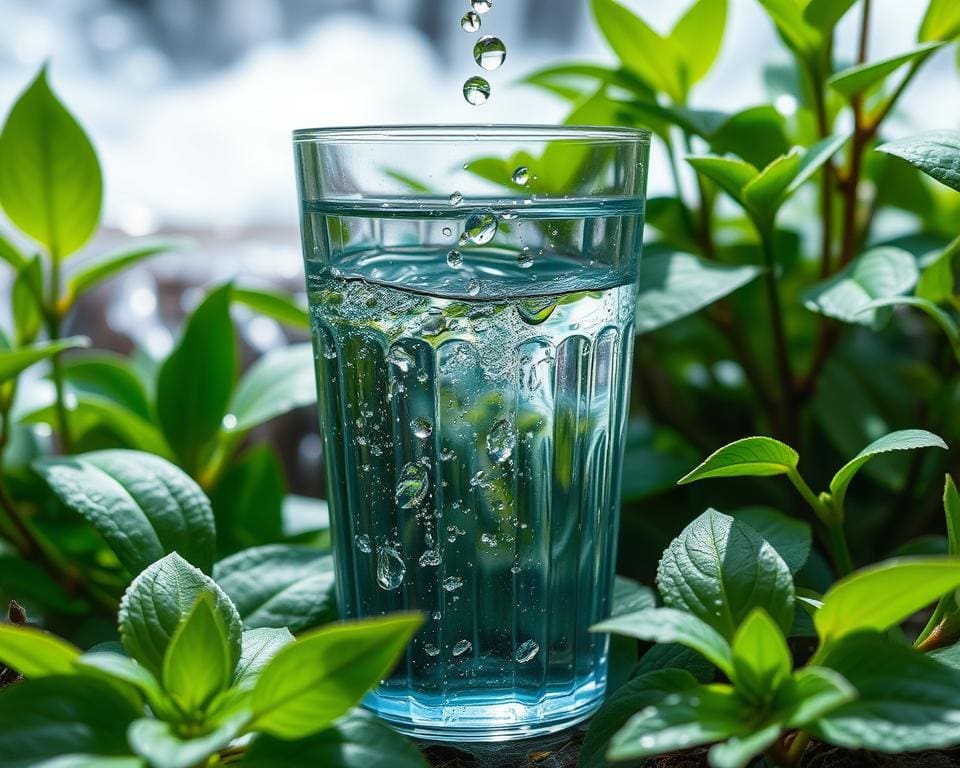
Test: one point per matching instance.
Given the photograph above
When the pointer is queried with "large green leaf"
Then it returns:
(797, 33)
(116, 666)
(13, 361)
(824, 14)
(280, 586)
(281, 380)
(26, 301)
(62, 717)
(248, 500)
(280, 306)
(312, 682)
(110, 376)
(936, 153)
(674, 285)
(259, 646)
(850, 294)
(861, 78)
(160, 744)
(942, 21)
(747, 457)
(758, 135)
(35, 653)
(720, 570)
(668, 625)
(904, 440)
(906, 701)
(50, 182)
(761, 659)
(788, 535)
(144, 506)
(105, 267)
(883, 595)
(195, 381)
(357, 740)
(698, 35)
(630, 596)
(158, 600)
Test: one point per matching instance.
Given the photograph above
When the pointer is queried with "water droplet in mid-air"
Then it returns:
(390, 568)
(489, 52)
(476, 91)
(431, 650)
(456, 198)
(452, 583)
(462, 647)
(521, 176)
(480, 228)
(481, 6)
(500, 441)
(413, 485)
(454, 259)
(470, 21)
(526, 651)
(421, 427)
(430, 557)
(473, 287)
(363, 543)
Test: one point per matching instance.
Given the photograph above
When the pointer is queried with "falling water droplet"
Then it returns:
(500, 441)
(421, 427)
(489, 52)
(430, 557)
(452, 583)
(480, 228)
(476, 91)
(462, 647)
(481, 6)
(413, 485)
(470, 21)
(363, 543)
(399, 357)
(473, 287)
(390, 568)
(525, 258)
(431, 650)
(521, 176)
(526, 651)
(456, 198)
(454, 259)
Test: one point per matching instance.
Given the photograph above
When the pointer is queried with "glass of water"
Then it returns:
(472, 292)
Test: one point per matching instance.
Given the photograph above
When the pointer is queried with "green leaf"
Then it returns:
(951, 508)
(941, 21)
(11, 254)
(667, 625)
(861, 78)
(574, 81)
(698, 35)
(790, 537)
(35, 653)
(55, 717)
(758, 135)
(281, 380)
(25, 301)
(195, 381)
(883, 595)
(156, 602)
(730, 174)
(280, 586)
(105, 267)
(815, 158)
(630, 596)
(315, 680)
(739, 751)
(903, 440)
(116, 666)
(280, 306)
(747, 457)
(675, 656)
(196, 665)
(936, 153)
(357, 740)
(938, 280)
(50, 182)
(788, 16)
(654, 59)
(850, 294)
(109, 376)
(720, 569)
(674, 285)
(12, 362)
(248, 500)
(947, 324)
(824, 14)
(811, 693)
(144, 506)
(259, 646)
(160, 745)
(761, 659)
(906, 701)
(766, 192)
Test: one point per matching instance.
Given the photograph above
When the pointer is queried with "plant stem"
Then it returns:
(797, 747)
(838, 547)
(808, 495)
(705, 214)
(780, 347)
(53, 321)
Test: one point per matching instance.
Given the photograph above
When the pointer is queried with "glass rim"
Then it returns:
(479, 132)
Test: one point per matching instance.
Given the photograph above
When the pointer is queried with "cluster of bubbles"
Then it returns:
(489, 52)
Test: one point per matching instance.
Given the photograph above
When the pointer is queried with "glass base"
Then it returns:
(486, 717)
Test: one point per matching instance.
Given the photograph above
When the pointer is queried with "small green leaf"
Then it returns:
(248, 500)
(747, 457)
(668, 625)
(357, 740)
(815, 158)
(790, 537)
(936, 153)
(761, 659)
(903, 440)
(315, 680)
(938, 280)
(11, 254)
(195, 381)
(156, 602)
(12, 362)
(259, 646)
(861, 78)
(883, 595)
(50, 182)
(144, 506)
(26, 302)
(281, 380)
(730, 174)
(160, 745)
(764, 195)
(811, 693)
(739, 751)
(280, 586)
(105, 267)
(280, 306)
(850, 295)
(674, 285)
(196, 665)
(109, 376)
(941, 22)
(824, 14)
(698, 35)
(720, 569)
(35, 653)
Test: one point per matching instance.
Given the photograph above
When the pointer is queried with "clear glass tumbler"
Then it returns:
(472, 292)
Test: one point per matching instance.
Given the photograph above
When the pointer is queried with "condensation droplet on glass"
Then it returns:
(412, 486)
(452, 583)
(490, 539)
(399, 357)
(489, 52)
(436, 615)
(454, 259)
(446, 231)
(462, 647)
(431, 650)
(526, 651)
(430, 557)
(521, 176)
(480, 228)
(473, 287)
(470, 21)
(476, 91)
(525, 258)
(390, 568)
(515, 569)
(481, 6)
(363, 543)
(446, 454)
(456, 198)
(500, 440)
(421, 427)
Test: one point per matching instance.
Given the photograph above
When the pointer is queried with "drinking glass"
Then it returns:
(472, 292)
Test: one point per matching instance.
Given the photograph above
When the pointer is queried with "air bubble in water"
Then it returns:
(399, 357)
(456, 198)
(476, 91)
(462, 647)
(421, 427)
(454, 259)
(470, 21)
(500, 440)
(363, 543)
(452, 583)
(473, 287)
(489, 52)
(525, 258)
(481, 6)
(521, 176)
(431, 650)
(526, 651)
(390, 568)
(413, 485)
(480, 228)
(430, 557)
